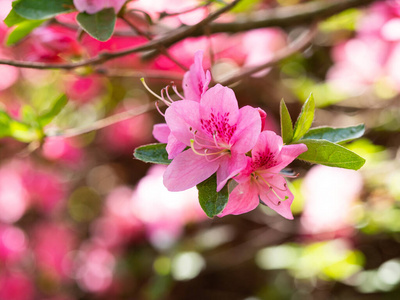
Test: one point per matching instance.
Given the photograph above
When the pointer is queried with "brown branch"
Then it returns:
(175, 36)
(302, 42)
(286, 16)
(104, 122)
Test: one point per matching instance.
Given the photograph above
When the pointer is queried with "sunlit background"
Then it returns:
(80, 218)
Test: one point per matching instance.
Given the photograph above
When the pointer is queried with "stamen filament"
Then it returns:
(176, 91)
(150, 91)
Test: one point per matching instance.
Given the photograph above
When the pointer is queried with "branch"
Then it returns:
(302, 42)
(289, 16)
(104, 122)
(174, 37)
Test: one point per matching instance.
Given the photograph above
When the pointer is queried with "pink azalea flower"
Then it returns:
(218, 134)
(195, 84)
(196, 80)
(261, 181)
(94, 6)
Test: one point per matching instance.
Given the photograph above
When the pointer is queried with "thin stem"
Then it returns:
(106, 121)
(302, 42)
(174, 37)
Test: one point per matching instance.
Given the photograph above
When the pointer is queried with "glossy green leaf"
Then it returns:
(42, 9)
(286, 124)
(211, 201)
(329, 154)
(99, 25)
(335, 135)
(21, 30)
(13, 19)
(53, 111)
(305, 119)
(152, 153)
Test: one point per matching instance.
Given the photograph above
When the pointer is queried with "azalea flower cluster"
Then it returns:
(206, 133)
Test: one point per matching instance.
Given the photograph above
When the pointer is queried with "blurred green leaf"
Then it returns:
(99, 25)
(286, 124)
(5, 120)
(329, 154)
(211, 201)
(345, 20)
(53, 111)
(13, 19)
(21, 30)
(335, 135)
(24, 132)
(152, 153)
(305, 119)
(42, 9)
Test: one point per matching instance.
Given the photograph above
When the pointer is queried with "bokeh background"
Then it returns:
(80, 218)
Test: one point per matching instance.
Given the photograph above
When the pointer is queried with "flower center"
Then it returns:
(219, 128)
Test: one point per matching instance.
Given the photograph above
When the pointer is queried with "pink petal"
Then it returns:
(174, 147)
(247, 131)
(229, 166)
(275, 199)
(180, 117)
(219, 100)
(161, 132)
(196, 81)
(263, 116)
(187, 170)
(243, 198)
(287, 155)
(268, 142)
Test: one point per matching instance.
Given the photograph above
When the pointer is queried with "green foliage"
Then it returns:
(286, 124)
(152, 153)
(42, 9)
(305, 119)
(13, 19)
(55, 108)
(211, 201)
(335, 135)
(329, 154)
(21, 30)
(99, 25)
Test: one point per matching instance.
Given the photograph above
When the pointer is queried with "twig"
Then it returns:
(175, 36)
(165, 14)
(161, 48)
(299, 44)
(105, 122)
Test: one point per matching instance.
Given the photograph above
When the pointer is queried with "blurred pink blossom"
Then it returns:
(52, 244)
(124, 136)
(63, 150)
(94, 6)
(13, 243)
(16, 286)
(164, 213)
(373, 54)
(14, 198)
(94, 268)
(329, 196)
(119, 223)
(83, 89)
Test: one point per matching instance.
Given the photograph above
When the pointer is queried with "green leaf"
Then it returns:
(305, 119)
(99, 25)
(22, 30)
(13, 19)
(329, 154)
(24, 132)
(286, 124)
(53, 111)
(152, 153)
(42, 9)
(211, 201)
(335, 135)
(5, 120)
